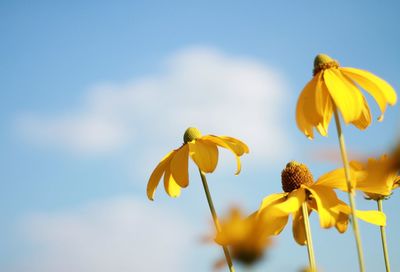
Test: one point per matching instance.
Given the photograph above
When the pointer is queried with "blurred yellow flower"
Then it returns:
(299, 187)
(375, 177)
(203, 151)
(246, 237)
(335, 86)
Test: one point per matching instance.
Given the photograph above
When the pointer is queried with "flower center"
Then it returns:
(294, 175)
(191, 134)
(323, 62)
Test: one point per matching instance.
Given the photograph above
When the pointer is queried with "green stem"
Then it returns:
(310, 247)
(350, 191)
(383, 238)
(215, 219)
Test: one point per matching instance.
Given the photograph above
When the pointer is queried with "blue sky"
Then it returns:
(94, 93)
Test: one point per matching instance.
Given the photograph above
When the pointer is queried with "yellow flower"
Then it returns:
(203, 151)
(376, 177)
(246, 237)
(335, 86)
(299, 187)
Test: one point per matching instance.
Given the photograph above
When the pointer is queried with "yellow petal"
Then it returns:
(333, 179)
(326, 199)
(204, 154)
(272, 199)
(299, 231)
(373, 217)
(292, 204)
(345, 94)
(306, 113)
(170, 185)
(324, 107)
(157, 174)
(365, 118)
(342, 222)
(238, 148)
(179, 166)
(378, 88)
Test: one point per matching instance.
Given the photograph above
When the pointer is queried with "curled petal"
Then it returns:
(298, 228)
(272, 199)
(204, 154)
(326, 199)
(171, 186)
(292, 204)
(346, 96)
(324, 107)
(378, 88)
(179, 166)
(365, 118)
(238, 148)
(157, 174)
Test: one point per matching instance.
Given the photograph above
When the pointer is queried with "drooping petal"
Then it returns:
(292, 204)
(272, 199)
(179, 166)
(298, 228)
(342, 222)
(365, 118)
(346, 96)
(307, 115)
(378, 88)
(373, 217)
(324, 106)
(238, 148)
(204, 154)
(326, 199)
(334, 179)
(170, 185)
(157, 174)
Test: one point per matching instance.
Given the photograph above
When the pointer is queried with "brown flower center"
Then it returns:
(294, 175)
(191, 134)
(323, 62)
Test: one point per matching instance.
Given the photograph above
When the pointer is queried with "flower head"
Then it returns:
(299, 187)
(334, 86)
(246, 237)
(203, 151)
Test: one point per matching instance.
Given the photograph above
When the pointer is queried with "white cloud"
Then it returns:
(201, 87)
(117, 235)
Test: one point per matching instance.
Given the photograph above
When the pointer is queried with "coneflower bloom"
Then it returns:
(335, 86)
(246, 237)
(299, 187)
(203, 151)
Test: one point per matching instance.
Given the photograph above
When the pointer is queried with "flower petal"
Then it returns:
(373, 217)
(326, 199)
(179, 166)
(272, 199)
(298, 228)
(204, 154)
(324, 107)
(365, 118)
(238, 148)
(378, 88)
(307, 115)
(170, 185)
(292, 203)
(333, 179)
(345, 94)
(157, 174)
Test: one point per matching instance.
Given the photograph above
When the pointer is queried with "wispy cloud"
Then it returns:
(115, 235)
(201, 87)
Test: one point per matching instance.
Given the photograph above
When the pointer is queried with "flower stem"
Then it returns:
(383, 238)
(215, 219)
(310, 247)
(350, 191)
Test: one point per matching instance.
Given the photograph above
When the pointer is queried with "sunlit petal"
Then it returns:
(157, 174)
(204, 154)
(298, 228)
(346, 96)
(326, 199)
(170, 185)
(179, 166)
(373, 217)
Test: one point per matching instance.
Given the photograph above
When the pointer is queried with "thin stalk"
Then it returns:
(350, 191)
(310, 247)
(215, 219)
(383, 238)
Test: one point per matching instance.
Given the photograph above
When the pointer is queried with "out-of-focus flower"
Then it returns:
(335, 86)
(246, 237)
(377, 178)
(299, 187)
(203, 151)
